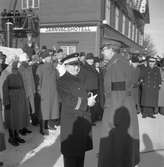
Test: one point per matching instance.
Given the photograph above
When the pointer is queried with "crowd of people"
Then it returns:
(76, 91)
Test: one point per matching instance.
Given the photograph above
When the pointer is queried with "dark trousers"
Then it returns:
(76, 161)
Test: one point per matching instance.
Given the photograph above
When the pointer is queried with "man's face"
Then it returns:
(107, 53)
(60, 55)
(151, 64)
(73, 69)
(90, 61)
(82, 58)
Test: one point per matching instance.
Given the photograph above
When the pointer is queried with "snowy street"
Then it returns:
(44, 151)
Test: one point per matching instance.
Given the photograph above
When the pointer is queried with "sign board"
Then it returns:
(68, 29)
(140, 5)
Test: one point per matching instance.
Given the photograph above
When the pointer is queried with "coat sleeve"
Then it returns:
(6, 100)
(39, 78)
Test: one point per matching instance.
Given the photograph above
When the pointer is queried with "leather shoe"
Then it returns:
(22, 132)
(1, 163)
(13, 141)
(20, 140)
(27, 130)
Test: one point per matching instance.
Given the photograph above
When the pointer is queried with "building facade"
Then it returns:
(76, 25)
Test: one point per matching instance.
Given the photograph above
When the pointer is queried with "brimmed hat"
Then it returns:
(71, 59)
(152, 59)
(134, 59)
(82, 54)
(114, 44)
(89, 56)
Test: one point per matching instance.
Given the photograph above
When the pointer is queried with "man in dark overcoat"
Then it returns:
(119, 142)
(75, 120)
(150, 79)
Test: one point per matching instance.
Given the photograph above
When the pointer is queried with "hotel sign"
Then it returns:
(68, 29)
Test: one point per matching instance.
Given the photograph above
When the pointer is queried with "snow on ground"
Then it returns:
(44, 151)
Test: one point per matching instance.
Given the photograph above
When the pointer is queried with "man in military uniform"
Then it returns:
(75, 119)
(119, 142)
(150, 79)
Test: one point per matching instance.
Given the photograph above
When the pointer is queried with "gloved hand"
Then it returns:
(91, 100)
(61, 69)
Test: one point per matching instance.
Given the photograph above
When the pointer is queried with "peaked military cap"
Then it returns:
(71, 59)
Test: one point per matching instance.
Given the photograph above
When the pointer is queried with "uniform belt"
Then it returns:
(118, 86)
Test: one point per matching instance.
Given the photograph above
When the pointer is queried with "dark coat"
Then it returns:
(16, 116)
(75, 124)
(89, 76)
(150, 81)
(92, 78)
(119, 142)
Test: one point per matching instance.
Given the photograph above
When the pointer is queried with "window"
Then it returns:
(68, 49)
(107, 12)
(26, 4)
(136, 36)
(129, 29)
(140, 38)
(123, 24)
(133, 32)
(116, 18)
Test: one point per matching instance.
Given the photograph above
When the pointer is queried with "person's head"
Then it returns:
(15, 65)
(29, 36)
(152, 62)
(44, 48)
(82, 56)
(47, 59)
(108, 51)
(72, 64)
(90, 59)
(97, 62)
(134, 60)
(2, 58)
(60, 54)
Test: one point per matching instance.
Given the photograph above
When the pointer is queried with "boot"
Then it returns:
(12, 139)
(46, 124)
(41, 127)
(43, 131)
(20, 140)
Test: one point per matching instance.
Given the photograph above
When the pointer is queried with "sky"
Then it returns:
(156, 27)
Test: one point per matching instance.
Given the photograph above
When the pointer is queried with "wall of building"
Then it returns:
(85, 41)
(69, 10)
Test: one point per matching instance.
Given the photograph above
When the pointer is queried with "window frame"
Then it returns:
(117, 18)
(108, 12)
(32, 6)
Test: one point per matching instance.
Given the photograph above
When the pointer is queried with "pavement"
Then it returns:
(44, 151)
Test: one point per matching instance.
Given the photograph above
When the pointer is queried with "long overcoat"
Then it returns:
(2, 130)
(135, 87)
(48, 91)
(16, 116)
(150, 81)
(75, 124)
(119, 142)
(29, 85)
(161, 90)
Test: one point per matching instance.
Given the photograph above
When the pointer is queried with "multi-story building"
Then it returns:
(86, 25)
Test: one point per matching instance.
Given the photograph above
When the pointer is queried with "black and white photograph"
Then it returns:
(81, 83)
